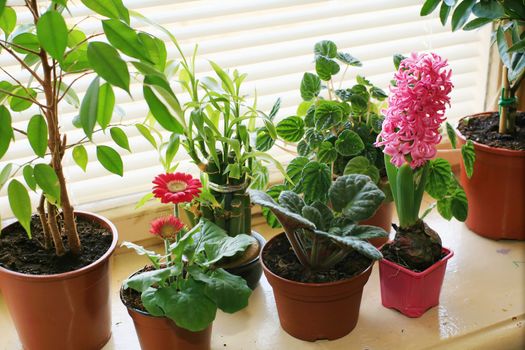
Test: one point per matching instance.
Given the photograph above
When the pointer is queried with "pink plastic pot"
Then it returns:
(412, 293)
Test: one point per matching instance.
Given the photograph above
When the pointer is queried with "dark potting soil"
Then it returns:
(20, 254)
(281, 260)
(485, 131)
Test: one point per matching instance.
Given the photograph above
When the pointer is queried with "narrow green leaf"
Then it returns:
(156, 50)
(120, 137)
(444, 12)
(451, 133)
(124, 38)
(142, 201)
(89, 108)
(112, 9)
(225, 78)
(503, 47)
(110, 159)
(144, 131)
(29, 177)
(428, 7)
(20, 204)
(6, 130)
(469, 157)
(108, 64)
(70, 96)
(37, 134)
(80, 156)
(5, 173)
(106, 105)
(462, 13)
(47, 180)
(520, 45)
(160, 112)
(476, 23)
(397, 60)
(52, 34)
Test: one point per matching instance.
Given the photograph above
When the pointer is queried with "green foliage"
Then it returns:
(80, 156)
(331, 230)
(110, 159)
(108, 64)
(37, 134)
(469, 157)
(52, 34)
(190, 291)
(20, 204)
(290, 129)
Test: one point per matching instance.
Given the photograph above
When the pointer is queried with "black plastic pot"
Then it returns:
(251, 270)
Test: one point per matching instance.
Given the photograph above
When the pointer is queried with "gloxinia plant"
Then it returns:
(183, 283)
(410, 135)
(322, 235)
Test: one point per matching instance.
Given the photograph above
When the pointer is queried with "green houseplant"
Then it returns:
(335, 129)
(55, 56)
(173, 301)
(498, 136)
(214, 127)
(414, 263)
(320, 264)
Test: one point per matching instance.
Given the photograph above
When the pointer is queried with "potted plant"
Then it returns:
(498, 137)
(320, 264)
(54, 266)
(215, 128)
(335, 130)
(414, 263)
(173, 301)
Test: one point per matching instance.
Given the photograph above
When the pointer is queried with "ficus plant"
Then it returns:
(214, 123)
(322, 235)
(507, 18)
(335, 128)
(57, 54)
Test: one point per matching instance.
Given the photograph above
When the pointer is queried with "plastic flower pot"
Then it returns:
(495, 191)
(250, 269)
(162, 333)
(412, 293)
(382, 218)
(314, 311)
(67, 311)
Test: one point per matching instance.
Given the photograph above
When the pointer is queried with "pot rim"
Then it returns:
(74, 273)
(486, 148)
(313, 284)
(449, 254)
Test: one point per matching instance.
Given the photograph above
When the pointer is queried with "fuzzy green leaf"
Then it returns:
(291, 201)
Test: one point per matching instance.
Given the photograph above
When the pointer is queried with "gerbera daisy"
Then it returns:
(166, 227)
(176, 187)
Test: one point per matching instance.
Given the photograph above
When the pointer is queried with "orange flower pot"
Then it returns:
(496, 191)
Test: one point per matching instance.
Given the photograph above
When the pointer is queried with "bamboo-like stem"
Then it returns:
(236, 217)
(504, 110)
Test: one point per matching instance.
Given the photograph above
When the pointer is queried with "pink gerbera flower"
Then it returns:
(176, 188)
(167, 227)
(416, 109)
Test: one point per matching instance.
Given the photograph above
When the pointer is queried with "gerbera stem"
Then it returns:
(168, 253)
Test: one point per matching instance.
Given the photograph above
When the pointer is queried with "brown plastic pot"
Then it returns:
(382, 218)
(496, 191)
(67, 311)
(314, 311)
(162, 333)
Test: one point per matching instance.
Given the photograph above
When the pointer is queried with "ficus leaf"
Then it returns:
(108, 64)
(106, 105)
(52, 34)
(120, 137)
(80, 156)
(47, 180)
(112, 9)
(6, 130)
(20, 204)
(37, 134)
(89, 108)
(110, 159)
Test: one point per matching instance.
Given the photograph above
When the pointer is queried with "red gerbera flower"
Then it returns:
(176, 188)
(166, 227)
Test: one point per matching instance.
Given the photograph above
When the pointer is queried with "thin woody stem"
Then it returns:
(48, 238)
(71, 84)
(22, 63)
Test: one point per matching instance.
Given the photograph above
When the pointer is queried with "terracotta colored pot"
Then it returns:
(63, 311)
(496, 191)
(313, 311)
(382, 218)
(156, 333)
(250, 270)
(412, 293)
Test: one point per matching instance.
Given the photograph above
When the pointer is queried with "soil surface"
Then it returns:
(20, 254)
(485, 131)
(131, 298)
(281, 260)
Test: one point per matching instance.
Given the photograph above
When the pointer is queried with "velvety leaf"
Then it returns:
(108, 64)
(325, 48)
(310, 86)
(112, 9)
(469, 157)
(326, 152)
(348, 59)
(120, 138)
(6, 130)
(89, 108)
(274, 191)
(313, 215)
(365, 232)
(110, 159)
(290, 129)
(462, 13)
(356, 196)
(317, 178)
(326, 215)
(291, 201)
(349, 143)
(438, 178)
(361, 165)
(52, 34)
(327, 115)
(37, 134)
(326, 67)
(20, 204)
(362, 247)
(106, 105)
(80, 156)
(47, 180)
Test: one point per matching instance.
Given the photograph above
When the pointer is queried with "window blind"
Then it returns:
(272, 41)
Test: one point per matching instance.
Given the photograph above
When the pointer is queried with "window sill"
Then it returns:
(482, 306)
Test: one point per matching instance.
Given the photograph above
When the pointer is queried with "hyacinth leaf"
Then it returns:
(229, 292)
(469, 157)
(188, 307)
(286, 217)
(362, 247)
(291, 201)
(356, 196)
